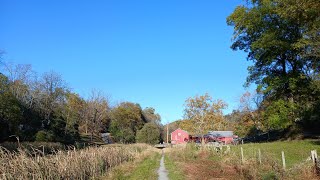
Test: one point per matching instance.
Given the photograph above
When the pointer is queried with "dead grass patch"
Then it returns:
(88, 163)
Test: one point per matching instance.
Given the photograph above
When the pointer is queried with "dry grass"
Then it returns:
(46, 147)
(89, 163)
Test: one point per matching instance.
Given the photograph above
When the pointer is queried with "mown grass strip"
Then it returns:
(173, 170)
(145, 169)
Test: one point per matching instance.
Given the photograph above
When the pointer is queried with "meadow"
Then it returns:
(194, 162)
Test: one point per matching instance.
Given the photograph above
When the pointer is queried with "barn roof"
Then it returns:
(221, 133)
(181, 130)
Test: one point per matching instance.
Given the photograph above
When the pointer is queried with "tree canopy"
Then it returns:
(43, 108)
(205, 113)
(281, 38)
(150, 134)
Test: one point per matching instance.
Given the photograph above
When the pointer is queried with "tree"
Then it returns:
(149, 134)
(97, 110)
(22, 78)
(269, 38)
(247, 119)
(73, 113)
(50, 94)
(10, 110)
(1, 58)
(282, 40)
(74, 108)
(279, 115)
(305, 13)
(150, 115)
(205, 113)
(20, 81)
(126, 120)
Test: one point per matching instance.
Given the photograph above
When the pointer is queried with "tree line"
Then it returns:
(44, 108)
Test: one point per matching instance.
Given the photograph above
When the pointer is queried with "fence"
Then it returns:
(313, 159)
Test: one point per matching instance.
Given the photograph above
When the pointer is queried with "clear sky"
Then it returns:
(156, 53)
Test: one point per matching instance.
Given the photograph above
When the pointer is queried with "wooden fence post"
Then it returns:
(259, 156)
(312, 156)
(283, 161)
(242, 158)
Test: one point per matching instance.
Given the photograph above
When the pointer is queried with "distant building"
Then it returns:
(179, 136)
(106, 137)
(225, 137)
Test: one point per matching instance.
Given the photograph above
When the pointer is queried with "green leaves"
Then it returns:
(280, 114)
(283, 41)
(126, 120)
(150, 134)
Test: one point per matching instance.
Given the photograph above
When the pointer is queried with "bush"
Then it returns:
(44, 136)
(149, 134)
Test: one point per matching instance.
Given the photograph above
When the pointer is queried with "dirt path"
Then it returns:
(162, 172)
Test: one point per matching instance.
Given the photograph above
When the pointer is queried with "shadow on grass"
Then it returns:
(315, 142)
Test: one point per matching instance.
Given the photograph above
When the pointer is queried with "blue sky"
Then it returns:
(155, 53)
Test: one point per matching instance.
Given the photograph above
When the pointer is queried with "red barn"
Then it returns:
(179, 136)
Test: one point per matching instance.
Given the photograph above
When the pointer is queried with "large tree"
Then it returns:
(306, 14)
(282, 41)
(50, 95)
(96, 113)
(126, 120)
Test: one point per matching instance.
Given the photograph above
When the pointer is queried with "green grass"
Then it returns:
(145, 170)
(174, 172)
(295, 151)
(227, 164)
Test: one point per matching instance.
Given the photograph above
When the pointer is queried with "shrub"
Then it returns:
(149, 134)
(44, 136)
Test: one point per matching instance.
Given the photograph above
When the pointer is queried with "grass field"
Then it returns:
(296, 152)
(192, 162)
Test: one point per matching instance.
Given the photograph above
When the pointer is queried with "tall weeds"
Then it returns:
(89, 163)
